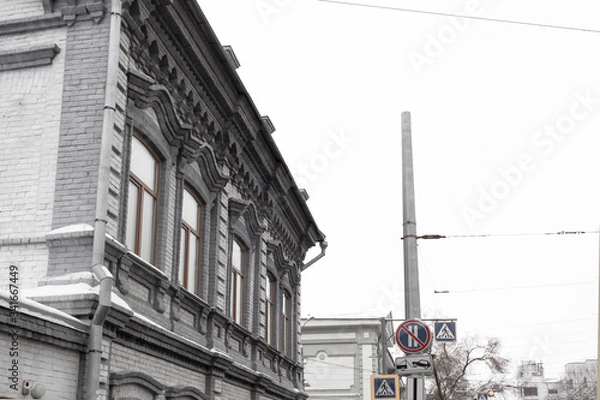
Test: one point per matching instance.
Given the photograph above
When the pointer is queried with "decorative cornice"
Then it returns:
(283, 263)
(48, 21)
(92, 9)
(184, 392)
(139, 379)
(208, 164)
(238, 209)
(27, 58)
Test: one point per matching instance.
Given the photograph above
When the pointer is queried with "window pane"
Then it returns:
(270, 309)
(182, 257)
(238, 300)
(143, 163)
(132, 216)
(236, 259)
(148, 215)
(192, 263)
(269, 288)
(190, 210)
(285, 322)
(232, 295)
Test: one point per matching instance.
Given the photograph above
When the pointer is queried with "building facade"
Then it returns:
(533, 385)
(151, 235)
(581, 380)
(341, 355)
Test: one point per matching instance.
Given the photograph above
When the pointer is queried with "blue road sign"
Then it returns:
(413, 336)
(385, 387)
(445, 331)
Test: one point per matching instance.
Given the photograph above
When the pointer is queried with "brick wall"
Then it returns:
(56, 368)
(30, 107)
(18, 9)
(231, 391)
(30, 258)
(126, 359)
(81, 123)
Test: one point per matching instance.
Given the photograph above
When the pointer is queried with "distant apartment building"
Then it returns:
(581, 380)
(152, 237)
(341, 354)
(532, 384)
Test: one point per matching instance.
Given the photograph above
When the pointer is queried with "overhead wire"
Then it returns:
(487, 235)
(445, 14)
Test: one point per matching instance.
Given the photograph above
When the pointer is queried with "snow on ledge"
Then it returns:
(73, 291)
(33, 308)
(71, 229)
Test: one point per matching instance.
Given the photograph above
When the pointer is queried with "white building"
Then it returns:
(341, 354)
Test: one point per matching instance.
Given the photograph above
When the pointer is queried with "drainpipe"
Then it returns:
(323, 245)
(94, 358)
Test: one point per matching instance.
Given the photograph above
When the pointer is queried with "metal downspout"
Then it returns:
(94, 358)
(323, 245)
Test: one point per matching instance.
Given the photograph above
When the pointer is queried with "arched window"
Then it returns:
(189, 253)
(143, 201)
(236, 289)
(286, 322)
(271, 293)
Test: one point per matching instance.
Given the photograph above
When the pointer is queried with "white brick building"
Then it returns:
(341, 355)
(152, 237)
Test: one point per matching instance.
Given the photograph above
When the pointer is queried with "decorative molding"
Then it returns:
(284, 264)
(23, 25)
(94, 10)
(231, 57)
(136, 379)
(174, 393)
(27, 58)
(238, 209)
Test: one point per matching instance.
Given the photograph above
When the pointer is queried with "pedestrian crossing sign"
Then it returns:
(385, 387)
(445, 331)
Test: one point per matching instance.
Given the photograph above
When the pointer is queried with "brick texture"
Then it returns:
(18, 9)
(30, 105)
(81, 127)
(125, 359)
(56, 368)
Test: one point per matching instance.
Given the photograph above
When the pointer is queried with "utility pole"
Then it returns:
(412, 300)
(415, 385)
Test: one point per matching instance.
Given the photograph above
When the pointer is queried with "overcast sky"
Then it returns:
(506, 141)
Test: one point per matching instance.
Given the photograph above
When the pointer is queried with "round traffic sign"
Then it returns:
(413, 336)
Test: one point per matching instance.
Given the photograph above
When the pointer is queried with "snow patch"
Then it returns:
(72, 228)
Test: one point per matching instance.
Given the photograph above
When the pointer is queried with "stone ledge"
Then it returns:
(23, 25)
(26, 58)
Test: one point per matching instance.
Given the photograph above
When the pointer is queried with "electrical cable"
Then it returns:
(498, 20)
(487, 235)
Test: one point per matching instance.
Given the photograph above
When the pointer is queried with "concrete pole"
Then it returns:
(415, 386)
(412, 301)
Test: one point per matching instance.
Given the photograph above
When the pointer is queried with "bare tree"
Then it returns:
(455, 365)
